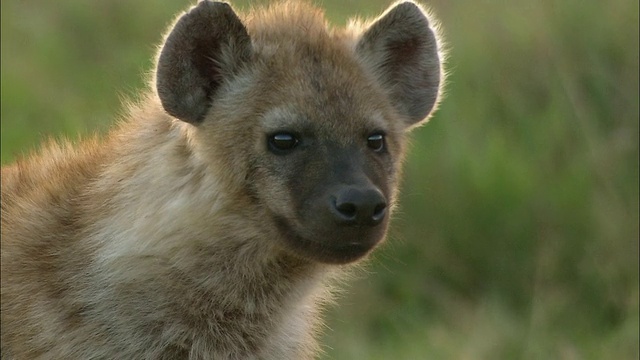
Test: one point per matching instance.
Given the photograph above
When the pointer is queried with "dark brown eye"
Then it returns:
(280, 143)
(375, 142)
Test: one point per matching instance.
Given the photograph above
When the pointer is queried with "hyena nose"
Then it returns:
(355, 206)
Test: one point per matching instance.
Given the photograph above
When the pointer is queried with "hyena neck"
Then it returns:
(166, 226)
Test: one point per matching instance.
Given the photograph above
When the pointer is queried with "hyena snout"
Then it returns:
(359, 206)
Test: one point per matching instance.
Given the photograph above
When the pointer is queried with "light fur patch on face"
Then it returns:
(281, 118)
(377, 121)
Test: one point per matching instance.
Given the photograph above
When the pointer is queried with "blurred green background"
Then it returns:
(517, 237)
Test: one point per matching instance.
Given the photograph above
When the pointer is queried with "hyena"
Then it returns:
(206, 224)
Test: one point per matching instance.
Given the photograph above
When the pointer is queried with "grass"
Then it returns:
(517, 237)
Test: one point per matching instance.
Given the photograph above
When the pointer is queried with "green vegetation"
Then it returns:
(517, 237)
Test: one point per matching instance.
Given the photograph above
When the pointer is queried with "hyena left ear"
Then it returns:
(205, 47)
(402, 50)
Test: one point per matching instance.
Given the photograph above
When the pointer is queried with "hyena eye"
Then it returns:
(282, 142)
(375, 142)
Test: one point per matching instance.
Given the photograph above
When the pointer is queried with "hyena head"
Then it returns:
(306, 121)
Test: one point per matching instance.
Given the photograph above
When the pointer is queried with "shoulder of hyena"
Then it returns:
(79, 246)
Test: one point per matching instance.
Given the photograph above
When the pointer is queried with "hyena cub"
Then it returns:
(206, 225)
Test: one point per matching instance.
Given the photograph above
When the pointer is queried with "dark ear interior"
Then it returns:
(207, 44)
(403, 51)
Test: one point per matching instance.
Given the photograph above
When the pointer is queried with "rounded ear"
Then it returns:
(403, 52)
(206, 45)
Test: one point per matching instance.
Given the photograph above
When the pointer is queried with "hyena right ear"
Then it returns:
(402, 50)
(206, 46)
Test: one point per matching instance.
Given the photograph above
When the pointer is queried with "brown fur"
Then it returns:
(194, 239)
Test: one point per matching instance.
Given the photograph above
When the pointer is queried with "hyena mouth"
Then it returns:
(331, 247)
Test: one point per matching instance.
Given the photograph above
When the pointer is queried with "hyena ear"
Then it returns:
(206, 46)
(402, 49)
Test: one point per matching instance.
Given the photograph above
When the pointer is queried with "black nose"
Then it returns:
(359, 206)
